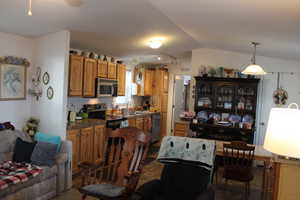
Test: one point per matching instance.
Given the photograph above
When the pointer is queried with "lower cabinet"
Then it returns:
(88, 145)
(143, 123)
(140, 123)
(181, 129)
(163, 124)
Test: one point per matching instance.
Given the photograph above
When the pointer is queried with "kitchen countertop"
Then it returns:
(84, 123)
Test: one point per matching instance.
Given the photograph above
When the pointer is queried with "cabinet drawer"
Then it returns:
(181, 126)
(180, 133)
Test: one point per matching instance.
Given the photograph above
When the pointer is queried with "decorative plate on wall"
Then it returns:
(50, 93)
(46, 78)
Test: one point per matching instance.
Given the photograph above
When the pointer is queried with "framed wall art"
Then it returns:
(13, 78)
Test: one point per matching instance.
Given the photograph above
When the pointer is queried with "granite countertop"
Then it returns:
(84, 123)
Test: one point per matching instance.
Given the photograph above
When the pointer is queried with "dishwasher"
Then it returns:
(155, 132)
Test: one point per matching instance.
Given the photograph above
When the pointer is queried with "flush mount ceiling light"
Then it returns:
(155, 43)
(254, 69)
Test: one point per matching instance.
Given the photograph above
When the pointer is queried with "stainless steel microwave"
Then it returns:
(107, 88)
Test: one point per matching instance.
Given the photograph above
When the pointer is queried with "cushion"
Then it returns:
(42, 137)
(23, 151)
(102, 190)
(44, 154)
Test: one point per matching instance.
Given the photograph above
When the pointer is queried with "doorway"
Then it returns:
(181, 97)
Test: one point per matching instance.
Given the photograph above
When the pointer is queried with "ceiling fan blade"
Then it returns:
(74, 3)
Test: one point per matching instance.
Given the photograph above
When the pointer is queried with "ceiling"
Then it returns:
(122, 27)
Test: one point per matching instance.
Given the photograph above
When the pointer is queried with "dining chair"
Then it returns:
(238, 159)
(103, 181)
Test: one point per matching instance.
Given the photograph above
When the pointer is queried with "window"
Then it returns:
(128, 90)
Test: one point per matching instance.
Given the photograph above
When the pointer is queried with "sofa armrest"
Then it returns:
(148, 191)
(208, 194)
(64, 170)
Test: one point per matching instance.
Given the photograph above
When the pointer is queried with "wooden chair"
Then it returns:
(238, 159)
(118, 175)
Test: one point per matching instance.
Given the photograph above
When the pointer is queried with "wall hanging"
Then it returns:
(13, 71)
(280, 95)
(50, 93)
(36, 89)
(46, 78)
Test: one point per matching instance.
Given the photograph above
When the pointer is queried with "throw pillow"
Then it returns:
(42, 137)
(23, 150)
(44, 154)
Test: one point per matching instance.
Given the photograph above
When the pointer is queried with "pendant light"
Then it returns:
(254, 69)
(29, 13)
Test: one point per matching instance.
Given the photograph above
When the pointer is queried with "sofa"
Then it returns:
(51, 182)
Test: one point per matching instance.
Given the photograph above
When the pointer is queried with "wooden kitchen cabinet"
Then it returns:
(74, 137)
(99, 145)
(165, 84)
(112, 71)
(102, 69)
(89, 77)
(181, 129)
(164, 102)
(132, 122)
(163, 123)
(86, 144)
(147, 124)
(148, 82)
(140, 123)
(121, 79)
(76, 75)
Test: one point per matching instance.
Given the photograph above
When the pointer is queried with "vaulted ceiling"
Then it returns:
(122, 27)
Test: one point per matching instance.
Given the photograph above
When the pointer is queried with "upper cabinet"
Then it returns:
(102, 69)
(121, 79)
(76, 75)
(144, 78)
(148, 82)
(112, 71)
(89, 77)
(165, 85)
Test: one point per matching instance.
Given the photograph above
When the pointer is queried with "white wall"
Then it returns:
(52, 55)
(291, 83)
(16, 111)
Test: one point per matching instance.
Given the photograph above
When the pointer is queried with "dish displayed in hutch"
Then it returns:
(225, 108)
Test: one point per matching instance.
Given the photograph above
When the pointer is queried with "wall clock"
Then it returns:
(50, 93)
(46, 78)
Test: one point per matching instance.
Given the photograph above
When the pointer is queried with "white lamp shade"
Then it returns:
(283, 132)
(254, 69)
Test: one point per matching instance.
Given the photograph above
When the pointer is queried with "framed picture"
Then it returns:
(12, 82)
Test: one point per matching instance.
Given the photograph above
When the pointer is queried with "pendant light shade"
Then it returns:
(254, 69)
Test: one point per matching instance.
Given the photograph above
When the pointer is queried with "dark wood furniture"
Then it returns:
(226, 97)
(238, 159)
(126, 150)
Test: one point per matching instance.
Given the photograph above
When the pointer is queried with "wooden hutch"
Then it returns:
(225, 99)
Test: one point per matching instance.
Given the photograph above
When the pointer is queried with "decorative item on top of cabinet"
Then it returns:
(90, 73)
(112, 71)
(75, 75)
(74, 137)
(121, 79)
(102, 69)
(99, 143)
(86, 144)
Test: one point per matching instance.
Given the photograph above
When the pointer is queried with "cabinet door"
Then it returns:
(132, 122)
(75, 75)
(112, 71)
(163, 124)
(89, 81)
(73, 136)
(165, 81)
(99, 143)
(121, 79)
(148, 83)
(102, 69)
(140, 123)
(86, 145)
(181, 129)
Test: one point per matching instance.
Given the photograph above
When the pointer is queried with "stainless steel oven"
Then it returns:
(107, 88)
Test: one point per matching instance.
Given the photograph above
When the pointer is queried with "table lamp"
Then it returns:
(283, 132)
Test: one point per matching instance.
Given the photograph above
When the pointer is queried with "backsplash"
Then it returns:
(78, 102)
